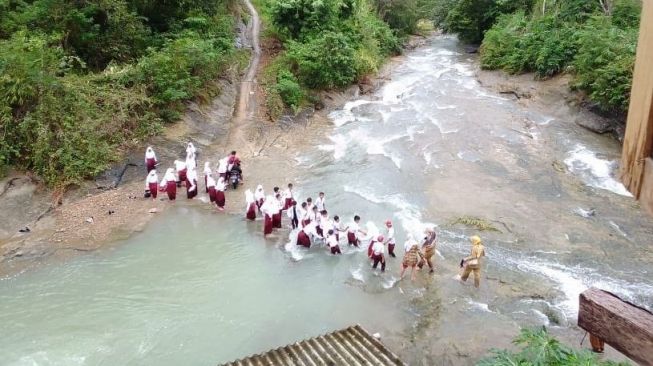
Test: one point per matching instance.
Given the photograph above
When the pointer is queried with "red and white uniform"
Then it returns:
(191, 184)
(169, 183)
(276, 218)
(259, 196)
(250, 205)
(191, 151)
(268, 208)
(182, 169)
(210, 187)
(220, 198)
(390, 234)
(152, 183)
(352, 234)
(377, 255)
(332, 242)
(150, 159)
(222, 168)
(320, 204)
(207, 172)
(303, 239)
(288, 198)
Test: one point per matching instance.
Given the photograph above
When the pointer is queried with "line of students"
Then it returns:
(314, 225)
(184, 174)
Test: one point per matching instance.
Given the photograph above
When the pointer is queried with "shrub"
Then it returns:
(326, 61)
(539, 348)
(297, 17)
(289, 90)
(604, 64)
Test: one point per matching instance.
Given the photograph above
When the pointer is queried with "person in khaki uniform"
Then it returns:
(473, 262)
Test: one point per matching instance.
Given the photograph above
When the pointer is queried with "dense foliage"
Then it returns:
(82, 80)
(538, 348)
(595, 40)
(331, 43)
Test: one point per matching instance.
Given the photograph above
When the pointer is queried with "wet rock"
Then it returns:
(89, 220)
(595, 123)
(25, 230)
(152, 210)
(471, 49)
(585, 213)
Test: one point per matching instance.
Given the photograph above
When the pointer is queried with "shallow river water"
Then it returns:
(198, 287)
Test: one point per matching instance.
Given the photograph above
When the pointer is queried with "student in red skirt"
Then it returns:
(152, 184)
(220, 199)
(268, 208)
(169, 183)
(182, 169)
(210, 187)
(303, 239)
(288, 196)
(150, 159)
(251, 205)
(259, 197)
(378, 249)
(278, 207)
(207, 172)
(191, 184)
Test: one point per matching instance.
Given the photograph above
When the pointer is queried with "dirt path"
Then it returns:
(246, 106)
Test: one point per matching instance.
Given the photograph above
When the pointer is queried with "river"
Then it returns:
(432, 145)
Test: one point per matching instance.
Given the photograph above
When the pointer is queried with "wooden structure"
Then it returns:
(351, 346)
(624, 326)
(636, 162)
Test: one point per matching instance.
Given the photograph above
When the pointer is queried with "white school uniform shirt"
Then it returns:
(319, 202)
(268, 206)
(325, 223)
(210, 182)
(220, 185)
(180, 165)
(207, 168)
(354, 228)
(331, 241)
(168, 177)
(391, 235)
(149, 154)
(192, 178)
(222, 166)
(151, 178)
(378, 248)
(259, 194)
(191, 164)
(287, 193)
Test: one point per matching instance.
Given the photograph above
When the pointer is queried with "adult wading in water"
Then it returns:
(473, 262)
(428, 249)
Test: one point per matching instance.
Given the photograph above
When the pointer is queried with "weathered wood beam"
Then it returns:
(624, 326)
(638, 140)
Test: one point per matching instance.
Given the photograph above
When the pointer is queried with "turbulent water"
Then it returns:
(432, 145)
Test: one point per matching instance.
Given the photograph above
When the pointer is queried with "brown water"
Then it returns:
(199, 287)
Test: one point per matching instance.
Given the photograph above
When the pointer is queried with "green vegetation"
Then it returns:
(538, 348)
(80, 81)
(594, 40)
(330, 44)
(475, 222)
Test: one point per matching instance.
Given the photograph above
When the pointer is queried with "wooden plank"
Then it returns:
(624, 326)
(638, 140)
(646, 196)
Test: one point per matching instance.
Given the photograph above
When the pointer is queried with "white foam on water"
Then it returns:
(394, 91)
(468, 155)
(339, 146)
(542, 316)
(463, 69)
(389, 283)
(357, 274)
(296, 252)
(618, 229)
(594, 171)
(427, 157)
(440, 127)
(345, 115)
(408, 214)
(450, 106)
(374, 145)
(583, 212)
(479, 305)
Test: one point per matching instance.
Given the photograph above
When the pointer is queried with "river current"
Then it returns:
(432, 145)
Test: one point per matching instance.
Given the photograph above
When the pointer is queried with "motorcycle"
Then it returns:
(234, 178)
